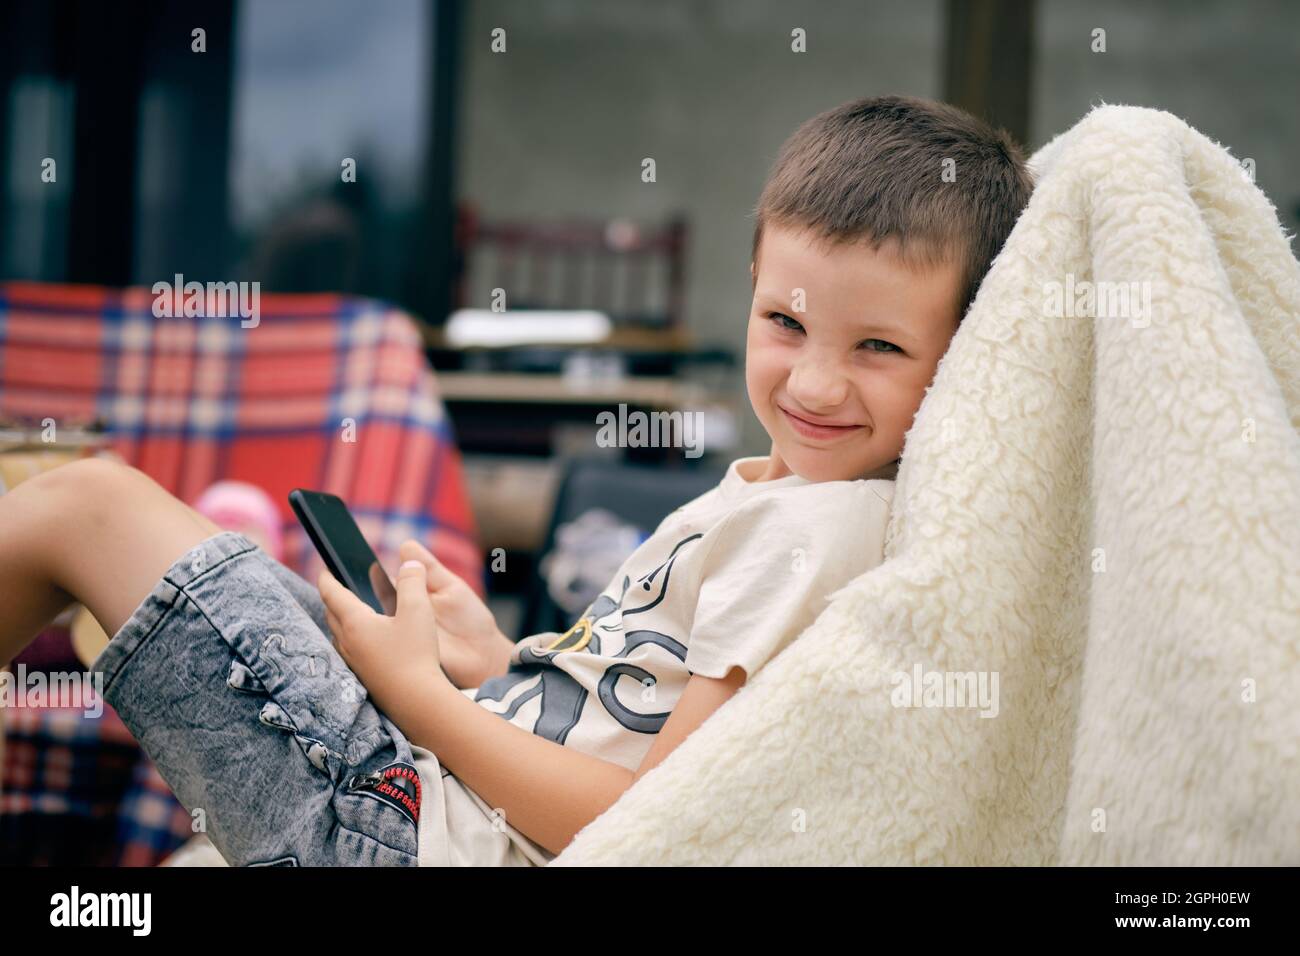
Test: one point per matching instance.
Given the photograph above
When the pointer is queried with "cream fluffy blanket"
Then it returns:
(1097, 516)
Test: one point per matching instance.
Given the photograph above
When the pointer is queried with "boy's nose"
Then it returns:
(818, 386)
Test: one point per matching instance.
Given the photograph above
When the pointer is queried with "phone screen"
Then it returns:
(344, 549)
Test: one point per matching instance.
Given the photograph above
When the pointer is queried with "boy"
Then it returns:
(865, 257)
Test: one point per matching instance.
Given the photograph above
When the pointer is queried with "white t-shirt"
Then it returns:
(728, 579)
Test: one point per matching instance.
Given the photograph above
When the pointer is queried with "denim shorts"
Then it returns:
(228, 679)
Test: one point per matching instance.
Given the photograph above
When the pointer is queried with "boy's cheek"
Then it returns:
(892, 411)
(758, 380)
(764, 370)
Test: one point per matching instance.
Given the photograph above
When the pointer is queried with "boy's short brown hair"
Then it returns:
(872, 170)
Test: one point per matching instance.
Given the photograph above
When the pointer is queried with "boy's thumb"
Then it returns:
(412, 595)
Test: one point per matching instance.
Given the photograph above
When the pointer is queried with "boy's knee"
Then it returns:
(88, 480)
(89, 488)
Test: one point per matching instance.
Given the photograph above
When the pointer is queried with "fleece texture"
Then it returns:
(1100, 507)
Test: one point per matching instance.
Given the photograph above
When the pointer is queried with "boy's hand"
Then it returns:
(470, 645)
(393, 657)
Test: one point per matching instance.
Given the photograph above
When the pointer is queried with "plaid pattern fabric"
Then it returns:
(79, 791)
(325, 392)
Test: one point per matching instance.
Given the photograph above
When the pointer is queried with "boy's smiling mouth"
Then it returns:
(815, 431)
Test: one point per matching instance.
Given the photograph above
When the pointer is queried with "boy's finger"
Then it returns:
(439, 576)
(335, 627)
(410, 550)
(413, 607)
(324, 584)
(338, 599)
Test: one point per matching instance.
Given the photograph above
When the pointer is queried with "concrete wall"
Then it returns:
(1230, 69)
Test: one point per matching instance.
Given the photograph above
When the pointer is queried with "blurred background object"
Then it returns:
(244, 507)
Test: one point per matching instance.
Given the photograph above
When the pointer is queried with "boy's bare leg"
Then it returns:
(92, 531)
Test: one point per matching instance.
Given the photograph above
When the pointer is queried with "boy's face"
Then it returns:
(860, 354)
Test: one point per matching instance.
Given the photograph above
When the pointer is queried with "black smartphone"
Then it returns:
(343, 547)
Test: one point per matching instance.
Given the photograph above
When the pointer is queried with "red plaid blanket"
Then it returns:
(325, 392)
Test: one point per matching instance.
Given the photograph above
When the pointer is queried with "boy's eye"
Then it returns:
(888, 346)
(871, 345)
(778, 317)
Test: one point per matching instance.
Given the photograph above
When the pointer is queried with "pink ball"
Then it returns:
(240, 506)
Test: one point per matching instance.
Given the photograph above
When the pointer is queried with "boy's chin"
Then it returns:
(832, 465)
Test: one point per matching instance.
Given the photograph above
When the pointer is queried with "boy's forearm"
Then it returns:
(495, 661)
(547, 791)
(500, 661)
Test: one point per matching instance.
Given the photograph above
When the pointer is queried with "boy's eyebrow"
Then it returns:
(774, 300)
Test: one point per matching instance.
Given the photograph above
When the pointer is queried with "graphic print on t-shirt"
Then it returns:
(604, 622)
